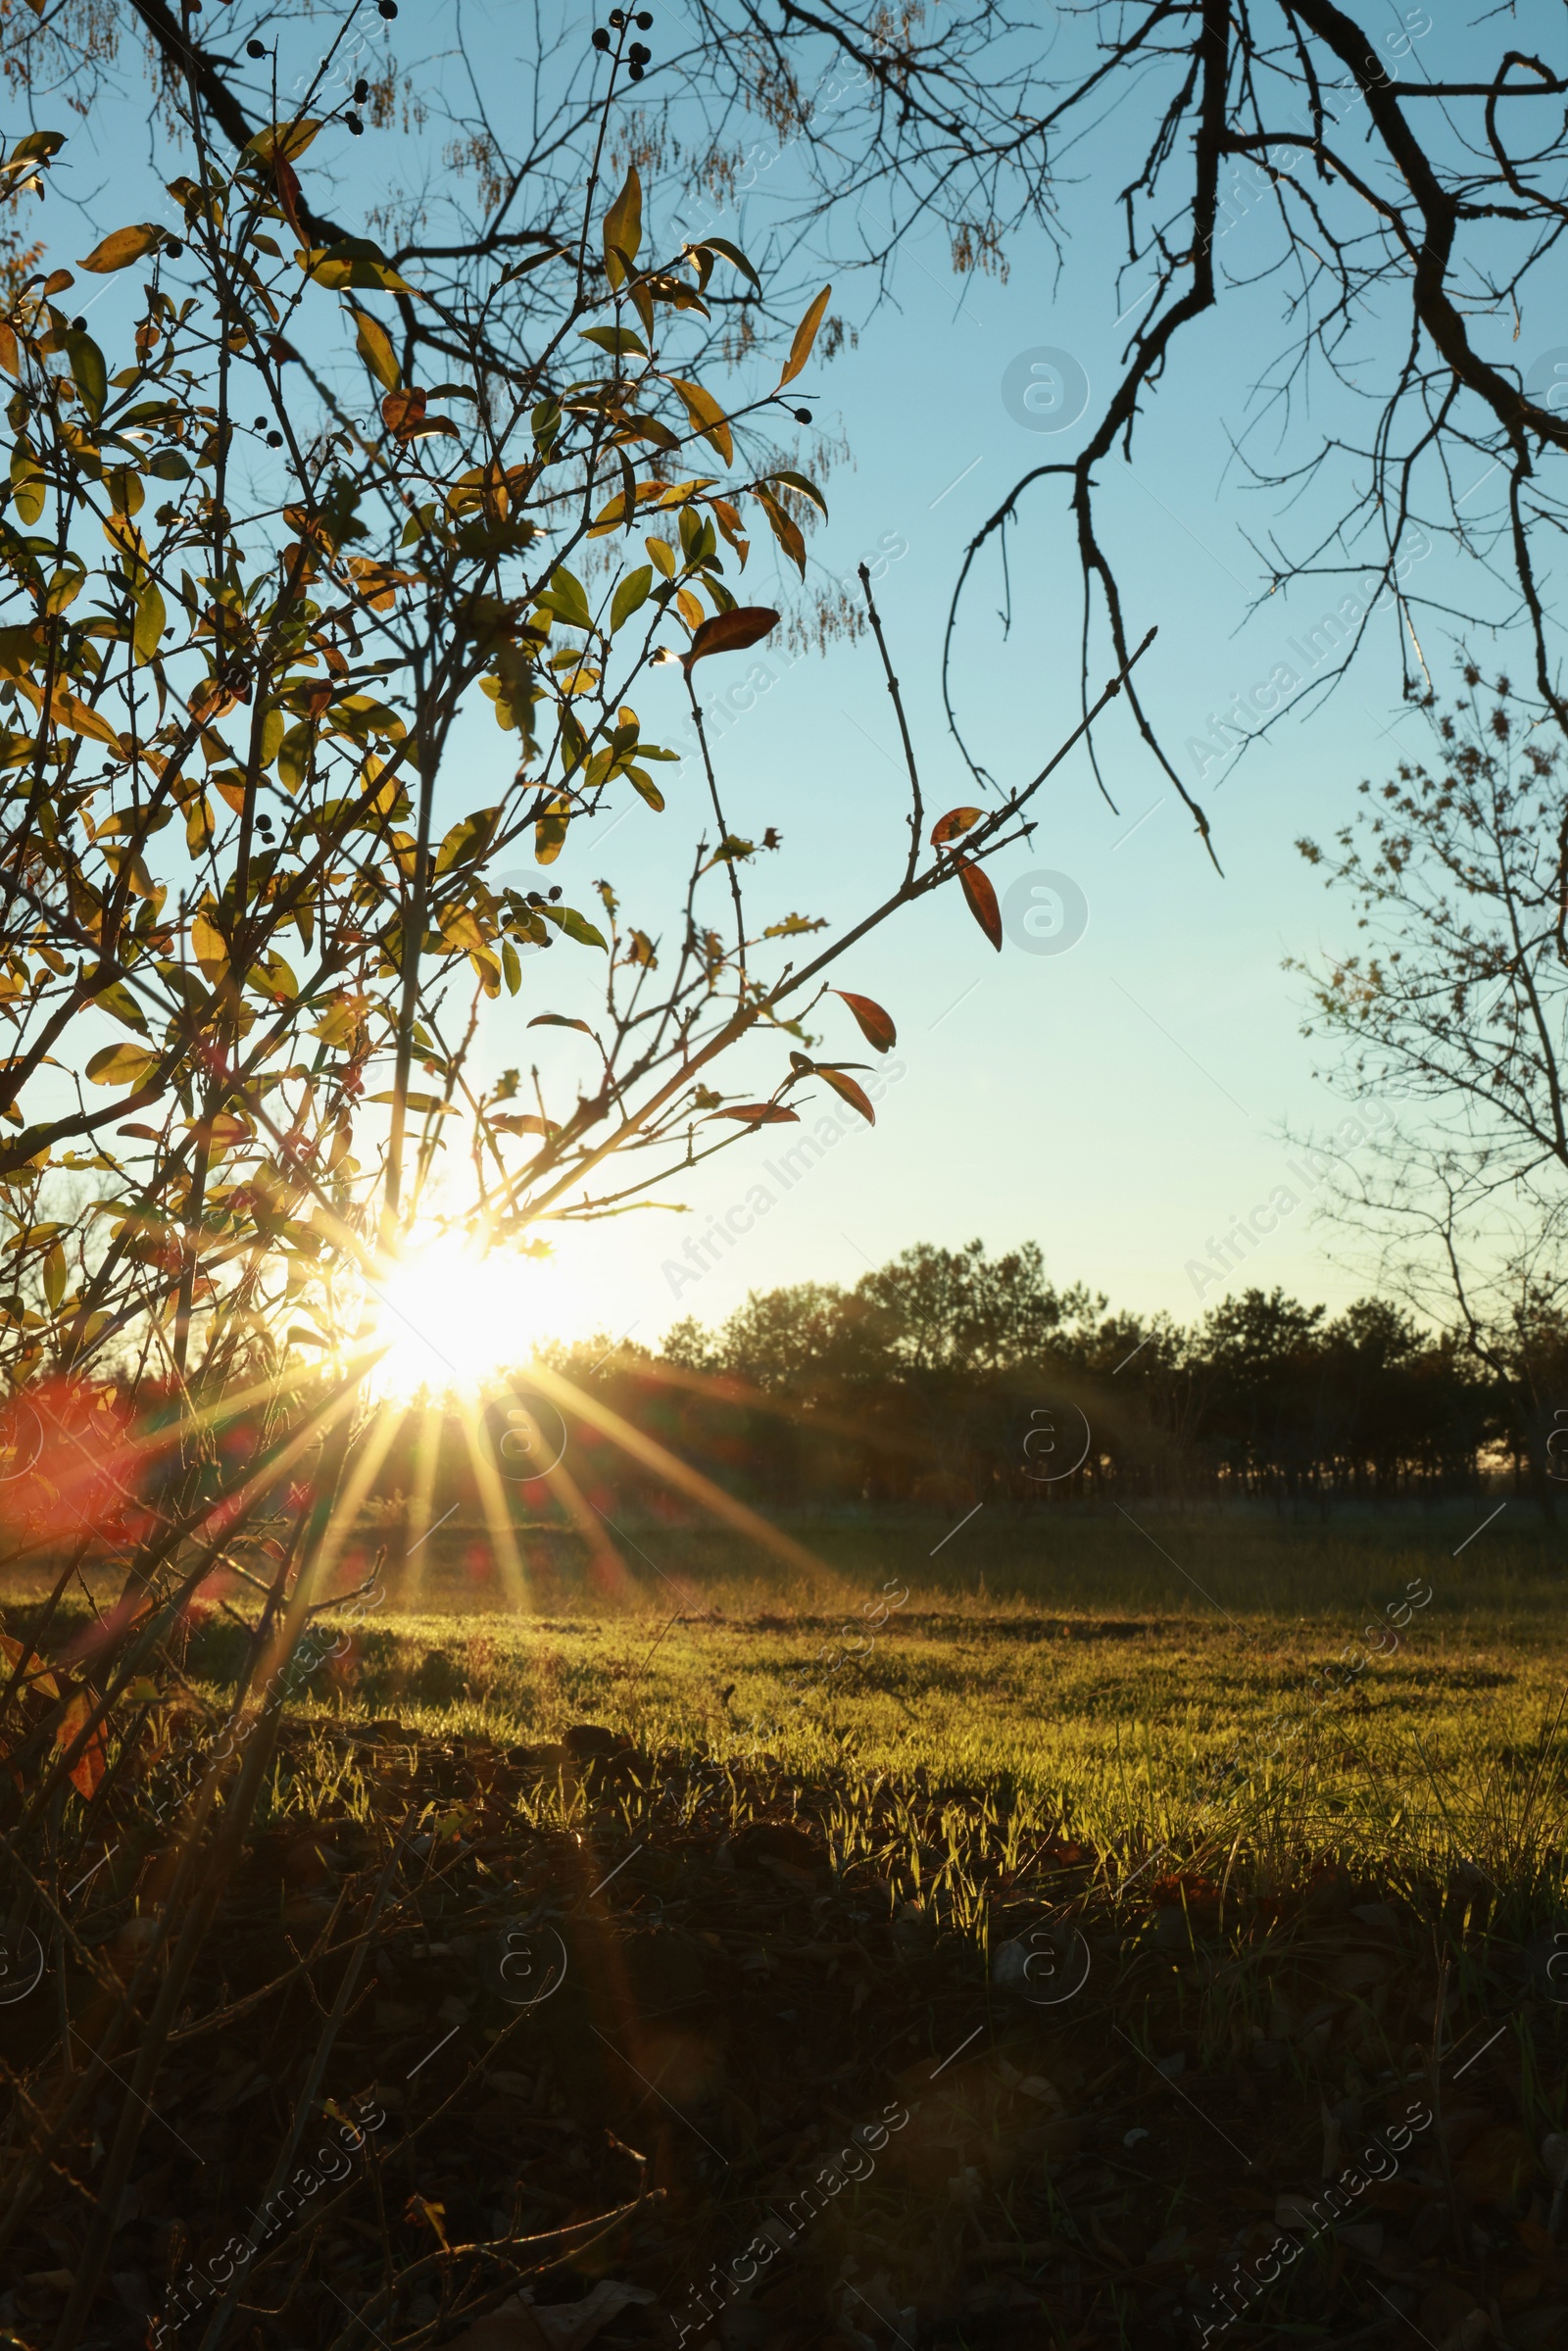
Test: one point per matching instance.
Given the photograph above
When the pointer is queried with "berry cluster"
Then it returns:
(639, 54)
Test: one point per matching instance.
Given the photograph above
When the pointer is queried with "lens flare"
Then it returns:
(451, 1322)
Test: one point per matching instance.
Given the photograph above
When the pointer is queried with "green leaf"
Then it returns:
(576, 926)
(374, 345)
(512, 968)
(29, 487)
(148, 627)
(425, 1105)
(118, 999)
(465, 839)
(644, 784)
(272, 734)
(807, 489)
(617, 340)
(632, 591)
(623, 228)
(565, 599)
(735, 257)
(54, 1275)
(121, 1065)
(21, 652)
(91, 373)
(354, 262)
(276, 978)
(294, 756)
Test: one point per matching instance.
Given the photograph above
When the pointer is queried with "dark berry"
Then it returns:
(275, 440)
(645, 18)
(802, 415)
(600, 38)
(634, 73)
(617, 18)
(355, 126)
(388, 9)
(174, 249)
(259, 425)
(362, 91)
(639, 53)
(79, 326)
(555, 893)
(256, 48)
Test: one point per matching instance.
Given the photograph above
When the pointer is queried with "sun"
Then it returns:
(450, 1321)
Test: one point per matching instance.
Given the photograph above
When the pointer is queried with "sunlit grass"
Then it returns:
(1072, 1674)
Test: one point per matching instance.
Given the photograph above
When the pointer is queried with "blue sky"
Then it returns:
(1118, 1101)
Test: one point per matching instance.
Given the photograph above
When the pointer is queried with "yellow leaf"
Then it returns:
(375, 347)
(459, 927)
(122, 533)
(707, 417)
(338, 1023)
(87, 1772)
(124, 246)
(207, 947)
(67, 710)
(423, 1105)
(550, 832)
(623, 228)
(121, 1065)
(199, 826)
(148, 627)
(12, 1651)
(283, 141)
(805, 337)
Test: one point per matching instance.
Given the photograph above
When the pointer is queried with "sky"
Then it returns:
(1118, 1083)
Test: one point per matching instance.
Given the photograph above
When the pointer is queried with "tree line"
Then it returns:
(954, 1374)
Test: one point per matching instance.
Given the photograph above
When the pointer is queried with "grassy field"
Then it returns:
(1027, 1855)
(1176, 1680)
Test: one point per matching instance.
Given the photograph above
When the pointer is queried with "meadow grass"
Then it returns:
(833, 1846)
(1181, 1680)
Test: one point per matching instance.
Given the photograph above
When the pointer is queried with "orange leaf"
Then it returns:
(11, 1652)
(982, 901)
(759, 1113)
(854, 1094)
(403, 412)
(731, 632)
(288, 196)
(87, 1772)
(875, 1026)
(523, 1122)
(955, 821)
(805, 337)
